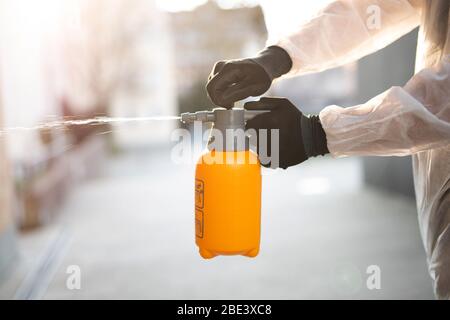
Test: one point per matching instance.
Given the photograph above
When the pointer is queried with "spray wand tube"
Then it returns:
(235, 115)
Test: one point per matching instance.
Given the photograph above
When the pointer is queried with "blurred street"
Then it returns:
(93, 91)
(131, 232)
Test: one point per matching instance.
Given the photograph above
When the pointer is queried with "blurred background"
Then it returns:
(110, 200)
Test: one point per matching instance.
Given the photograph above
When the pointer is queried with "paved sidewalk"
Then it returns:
(131, 233)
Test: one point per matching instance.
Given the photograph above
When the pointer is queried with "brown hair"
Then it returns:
(436, 24)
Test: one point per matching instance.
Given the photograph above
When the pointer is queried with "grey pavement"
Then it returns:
(131, 232)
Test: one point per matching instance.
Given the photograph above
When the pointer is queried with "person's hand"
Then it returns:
(300, 136)
(235, 80)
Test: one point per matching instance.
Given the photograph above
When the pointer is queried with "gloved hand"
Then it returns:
(234, 80)
(300, 136)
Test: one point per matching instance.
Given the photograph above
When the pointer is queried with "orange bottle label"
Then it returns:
(199, 194)
(199, 206)
(199, 223)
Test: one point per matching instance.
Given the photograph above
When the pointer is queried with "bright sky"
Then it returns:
(180, 5)
(282, 16)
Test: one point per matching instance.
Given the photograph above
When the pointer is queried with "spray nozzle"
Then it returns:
(203, 116)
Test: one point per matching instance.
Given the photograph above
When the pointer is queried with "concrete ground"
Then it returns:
(131, 233)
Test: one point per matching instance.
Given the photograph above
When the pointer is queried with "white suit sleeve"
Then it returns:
(347, 30)
(400, 121)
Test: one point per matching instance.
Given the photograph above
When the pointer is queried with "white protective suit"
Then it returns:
(413, 120)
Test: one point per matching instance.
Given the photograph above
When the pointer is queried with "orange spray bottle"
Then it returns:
(227, 187)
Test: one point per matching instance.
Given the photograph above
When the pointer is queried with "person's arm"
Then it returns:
(400, 121)
(347, 30)
(342, 32)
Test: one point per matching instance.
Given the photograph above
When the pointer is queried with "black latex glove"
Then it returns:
(234, 80)
(300, 136)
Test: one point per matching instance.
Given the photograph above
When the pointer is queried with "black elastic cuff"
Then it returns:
(275, 60)
(314, 137)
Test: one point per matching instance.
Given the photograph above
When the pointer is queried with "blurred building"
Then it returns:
(75, 60)
(30, 93)
(146, 86)
(119, 58)
(7, 230)
(206, 35)
(69, 60)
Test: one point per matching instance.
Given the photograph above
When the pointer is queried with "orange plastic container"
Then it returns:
(228, 204)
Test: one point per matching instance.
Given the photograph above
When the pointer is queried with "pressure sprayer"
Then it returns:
(227, 187)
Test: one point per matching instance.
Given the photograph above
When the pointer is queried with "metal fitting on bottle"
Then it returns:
(229, 122)
(203, 116)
